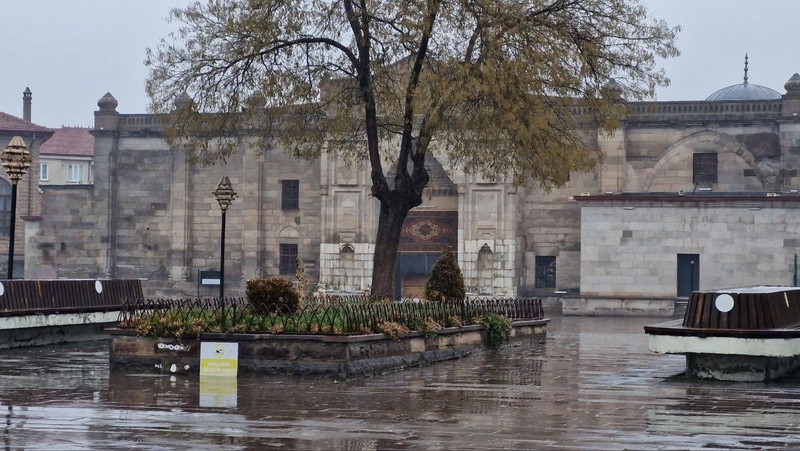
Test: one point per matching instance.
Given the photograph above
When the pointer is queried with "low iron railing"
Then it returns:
(191, 317)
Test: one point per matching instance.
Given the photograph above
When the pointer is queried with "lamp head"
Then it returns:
(224, 193)
(16, 159)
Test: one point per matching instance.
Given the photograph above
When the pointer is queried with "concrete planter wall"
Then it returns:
(339, 356)
(54, 328)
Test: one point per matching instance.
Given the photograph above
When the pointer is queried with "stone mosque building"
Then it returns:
(691, 195)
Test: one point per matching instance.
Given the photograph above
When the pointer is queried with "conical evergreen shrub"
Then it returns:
(446, 283)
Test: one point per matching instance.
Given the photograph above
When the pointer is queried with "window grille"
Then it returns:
(290, 194)
(288, 259)
(704, 168)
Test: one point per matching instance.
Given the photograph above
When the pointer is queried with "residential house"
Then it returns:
(67, 157)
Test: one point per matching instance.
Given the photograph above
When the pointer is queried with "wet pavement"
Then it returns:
(592, 385)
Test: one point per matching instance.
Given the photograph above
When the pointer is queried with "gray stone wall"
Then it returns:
(660, 159)
(633, 250)
(550, 226)
(301, 227)
(141, 201)
(67, 243)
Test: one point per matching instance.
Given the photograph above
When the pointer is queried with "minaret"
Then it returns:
(26, 104)
(745, 68)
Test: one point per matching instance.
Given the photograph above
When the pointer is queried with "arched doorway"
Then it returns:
(427, 231)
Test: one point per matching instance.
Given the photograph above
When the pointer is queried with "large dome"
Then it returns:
(744, 91)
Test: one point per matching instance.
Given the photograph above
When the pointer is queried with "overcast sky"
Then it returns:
(72, 52)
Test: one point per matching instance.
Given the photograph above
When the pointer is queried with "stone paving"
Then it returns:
(592, 385)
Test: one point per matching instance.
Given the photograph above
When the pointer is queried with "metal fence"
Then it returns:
(190, 317)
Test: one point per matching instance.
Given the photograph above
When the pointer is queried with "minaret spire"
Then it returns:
(745, 68)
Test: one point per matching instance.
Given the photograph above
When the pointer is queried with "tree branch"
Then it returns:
(421, 54)
(359, 23)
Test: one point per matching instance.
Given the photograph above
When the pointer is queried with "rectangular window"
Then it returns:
(44, 171)
(74, 173)
(704, 168)
(288, 259)
(290, 195)
(546, 272)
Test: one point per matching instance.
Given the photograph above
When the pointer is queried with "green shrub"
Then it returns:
(498, 328)
(275, 294)
(393, 330)
(446, 283)
(453, 321)
(430, 327)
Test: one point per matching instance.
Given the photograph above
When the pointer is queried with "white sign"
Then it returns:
(219, 359)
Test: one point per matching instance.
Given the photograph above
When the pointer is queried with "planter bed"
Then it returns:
(341, 356)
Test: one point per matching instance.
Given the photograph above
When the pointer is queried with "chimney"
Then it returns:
(26, 104)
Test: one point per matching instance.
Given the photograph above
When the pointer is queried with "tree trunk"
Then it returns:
(387, 242)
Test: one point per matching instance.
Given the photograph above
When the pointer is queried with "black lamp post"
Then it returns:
(225, 195)
(16, 161)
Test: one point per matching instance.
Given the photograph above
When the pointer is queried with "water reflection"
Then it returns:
(593, 384)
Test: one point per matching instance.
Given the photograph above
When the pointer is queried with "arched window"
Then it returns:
(5, 207)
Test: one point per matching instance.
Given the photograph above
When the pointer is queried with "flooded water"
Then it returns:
(592, 385)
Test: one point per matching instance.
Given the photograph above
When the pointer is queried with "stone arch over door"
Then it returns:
(708, 139)
(288, 232)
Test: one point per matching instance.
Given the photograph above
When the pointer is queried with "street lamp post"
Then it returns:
(16, 161)
(225, 195)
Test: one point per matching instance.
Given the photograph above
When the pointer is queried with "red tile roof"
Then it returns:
(76, 141)
(15, 124)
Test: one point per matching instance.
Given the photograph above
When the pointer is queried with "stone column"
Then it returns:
(510, 270)
(180, 217)
(251, 191)
(107, 125)
(464, 212)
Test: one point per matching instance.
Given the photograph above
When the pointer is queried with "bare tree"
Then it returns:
(504, 88)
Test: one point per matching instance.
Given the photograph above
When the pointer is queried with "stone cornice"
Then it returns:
(644, 200)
